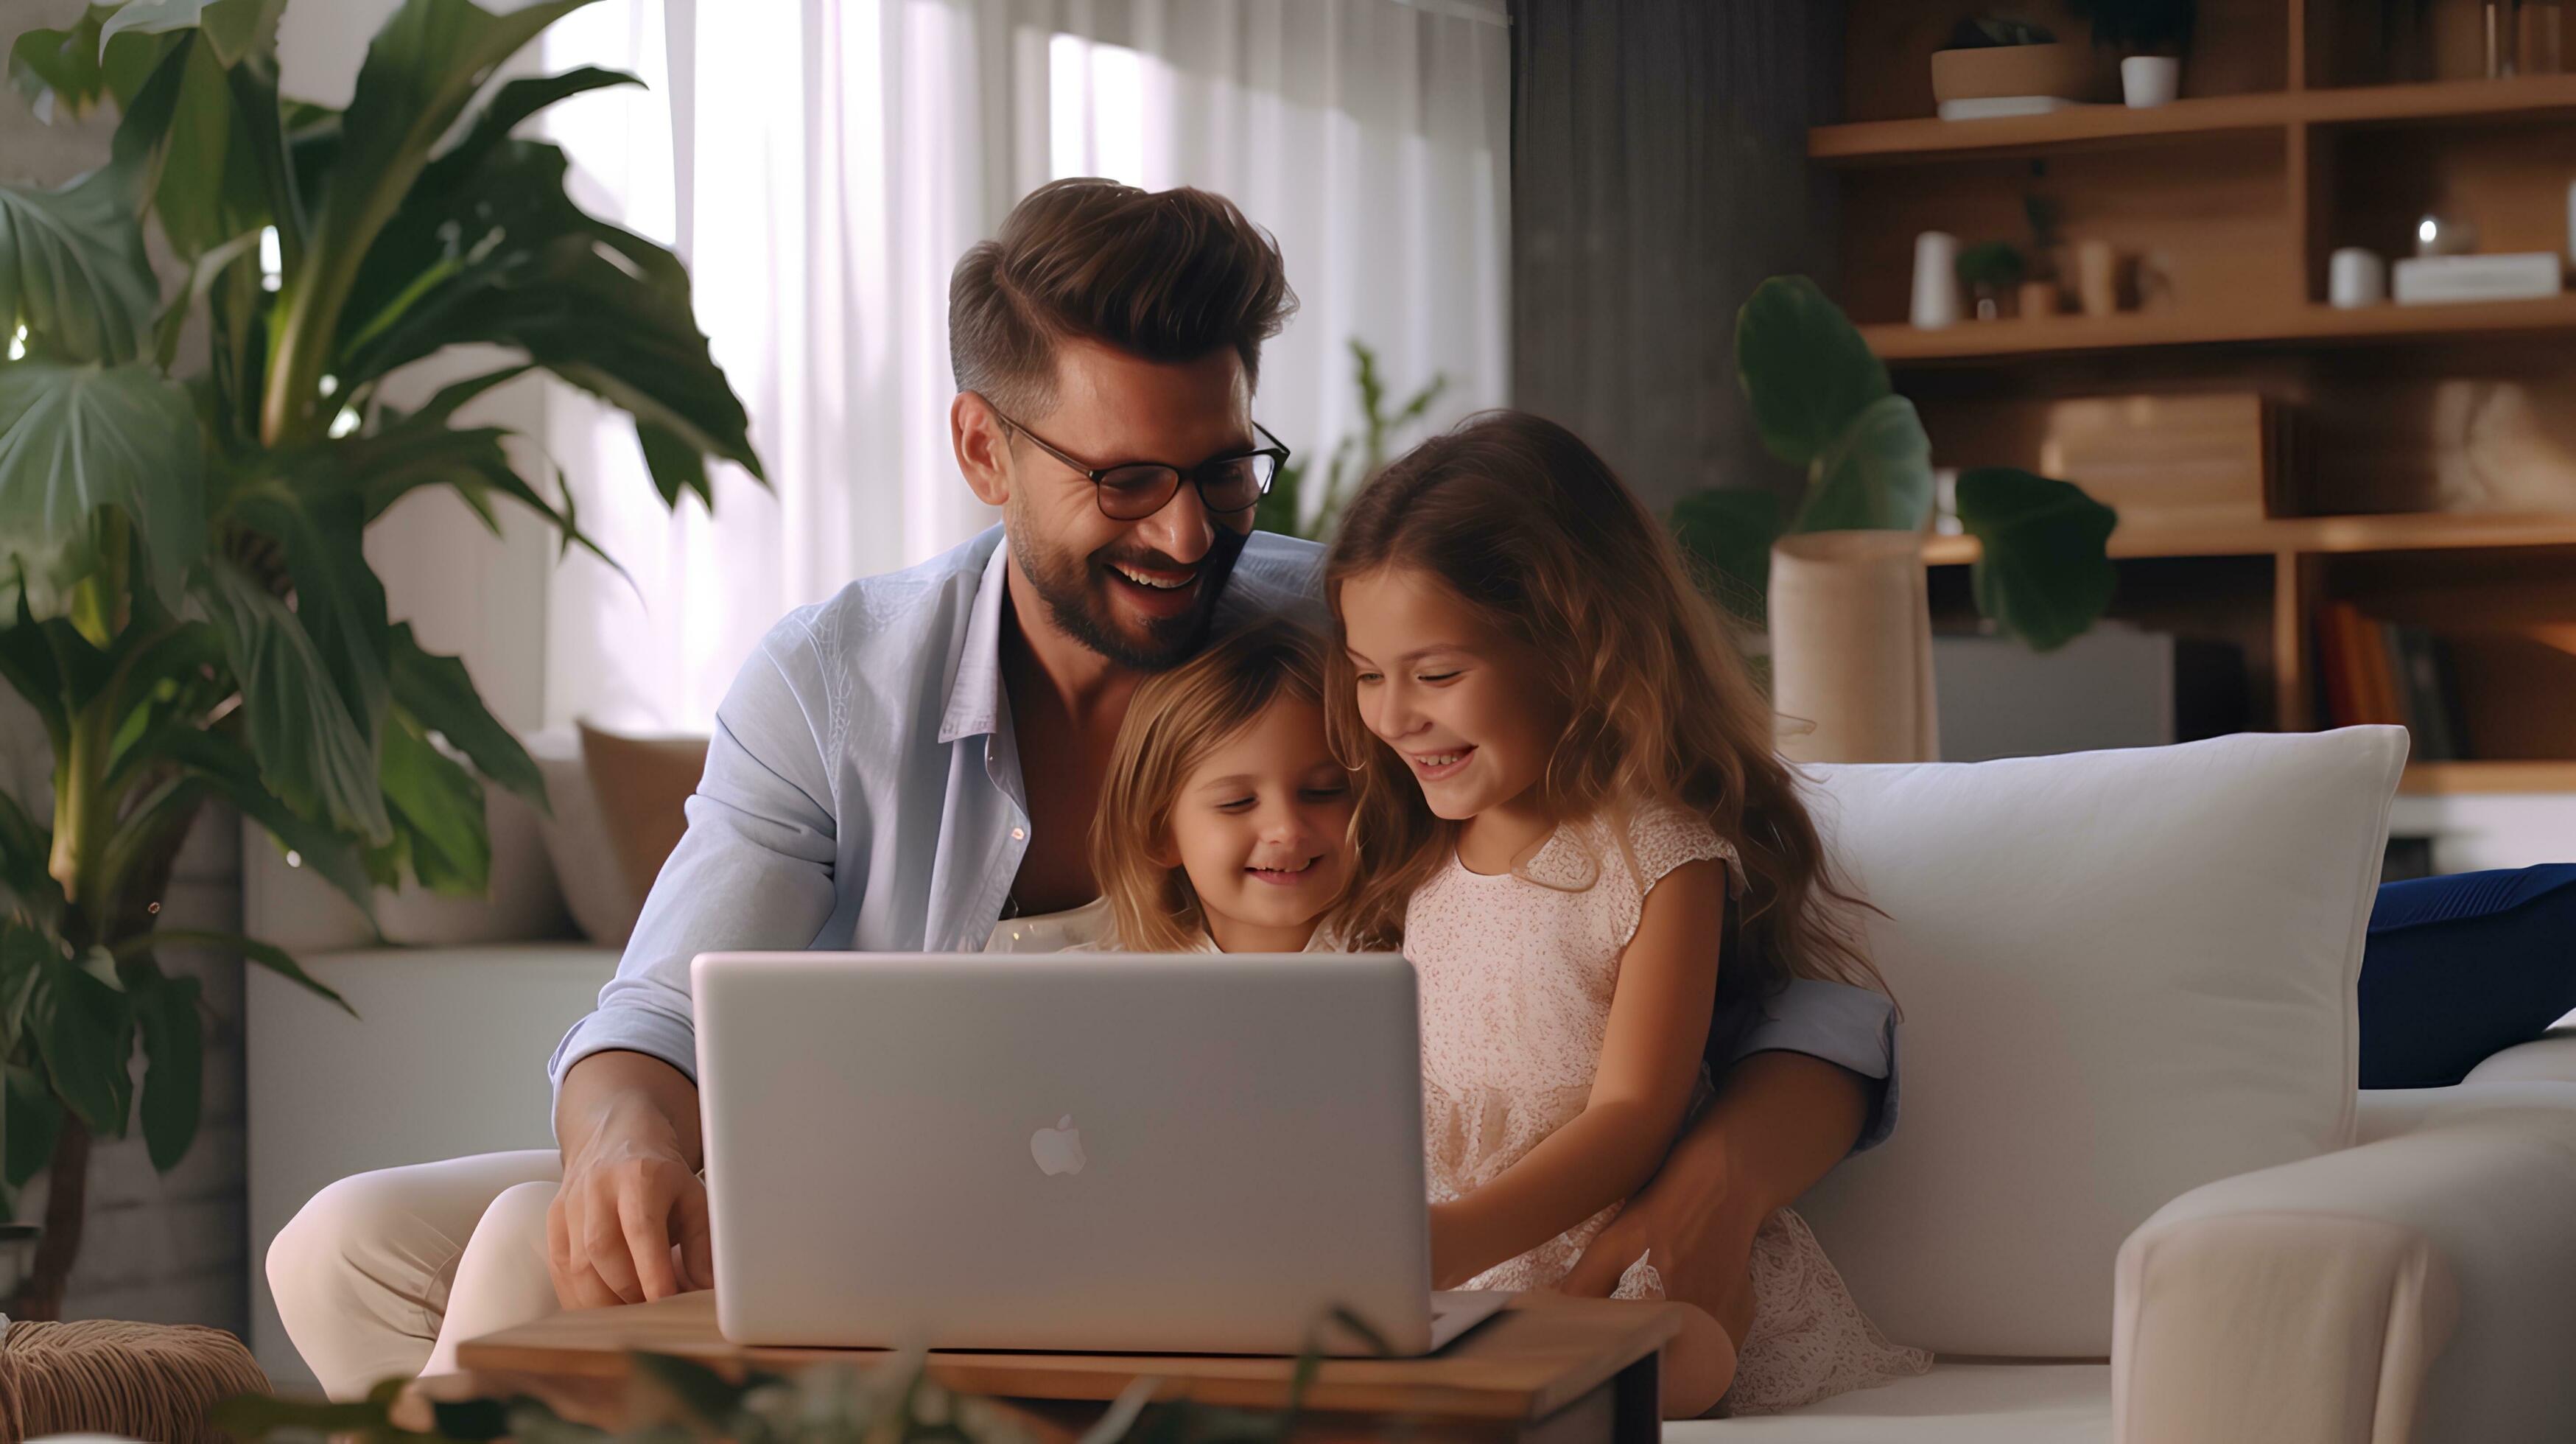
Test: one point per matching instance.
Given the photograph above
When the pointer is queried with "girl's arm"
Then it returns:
(1650, 1059)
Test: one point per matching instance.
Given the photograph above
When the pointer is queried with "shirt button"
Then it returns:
(1019, 834)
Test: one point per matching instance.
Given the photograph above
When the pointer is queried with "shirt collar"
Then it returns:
(975, 698)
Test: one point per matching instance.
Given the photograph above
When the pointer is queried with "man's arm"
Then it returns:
(755, 870)
(1813, 1080)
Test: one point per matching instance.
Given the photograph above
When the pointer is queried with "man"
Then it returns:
(900, 767)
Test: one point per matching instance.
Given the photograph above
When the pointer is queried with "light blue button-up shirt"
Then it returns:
(863, 793)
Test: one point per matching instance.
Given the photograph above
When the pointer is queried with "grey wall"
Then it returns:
(1658, 174)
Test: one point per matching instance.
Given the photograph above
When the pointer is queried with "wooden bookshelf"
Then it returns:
(2313, 535)
(2416, 462)
(2445, 779)
(2289, 326)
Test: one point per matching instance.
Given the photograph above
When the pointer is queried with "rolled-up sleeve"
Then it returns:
(755, 869)
(1855, 1027)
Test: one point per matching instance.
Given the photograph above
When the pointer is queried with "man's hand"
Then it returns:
(1688, 1225)
(1779, 1122)
(629, 1223)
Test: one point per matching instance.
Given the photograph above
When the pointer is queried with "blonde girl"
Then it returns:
(1226, 824)
(1590, 847)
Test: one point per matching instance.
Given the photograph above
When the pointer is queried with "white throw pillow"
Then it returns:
(2122, 975)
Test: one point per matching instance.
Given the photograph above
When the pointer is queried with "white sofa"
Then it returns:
(2135, 1194)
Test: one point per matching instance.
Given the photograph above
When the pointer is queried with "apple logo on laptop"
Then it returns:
(1058, 1149)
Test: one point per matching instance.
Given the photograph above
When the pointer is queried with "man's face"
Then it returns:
(1137, 592)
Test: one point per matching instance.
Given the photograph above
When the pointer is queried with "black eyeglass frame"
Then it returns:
(1277, 451)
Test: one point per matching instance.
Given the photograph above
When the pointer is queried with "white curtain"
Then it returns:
(822, 165)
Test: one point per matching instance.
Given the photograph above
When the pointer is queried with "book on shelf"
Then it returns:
(2375, 672)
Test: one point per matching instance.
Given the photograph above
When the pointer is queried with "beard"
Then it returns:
(1077, 593)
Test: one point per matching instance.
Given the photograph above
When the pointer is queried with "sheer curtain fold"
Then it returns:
(822, 165)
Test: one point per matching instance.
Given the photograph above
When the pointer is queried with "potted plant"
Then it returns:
(188, 607)
(1989, 272)
(1843, 577)
(1998, 59)
(2152, 36)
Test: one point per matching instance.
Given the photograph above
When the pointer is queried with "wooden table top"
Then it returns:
(1541, 1353)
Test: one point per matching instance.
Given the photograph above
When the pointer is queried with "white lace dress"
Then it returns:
(1516, 974)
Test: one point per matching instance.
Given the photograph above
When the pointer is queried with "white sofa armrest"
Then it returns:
(2421, 1287)
(2551, 1057)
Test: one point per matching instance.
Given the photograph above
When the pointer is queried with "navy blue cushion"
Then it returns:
(2459, 967)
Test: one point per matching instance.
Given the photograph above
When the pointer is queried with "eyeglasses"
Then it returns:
(1133, 491)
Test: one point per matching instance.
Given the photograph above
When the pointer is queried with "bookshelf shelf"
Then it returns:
(2313, 536)
(1890, 142)
(2444, 779)
(2281, 327)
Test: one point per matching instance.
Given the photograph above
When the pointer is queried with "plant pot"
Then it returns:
(2058, 69)
(1851, 648)
(2148, 81)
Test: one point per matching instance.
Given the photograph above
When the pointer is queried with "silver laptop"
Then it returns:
(1102, 1151)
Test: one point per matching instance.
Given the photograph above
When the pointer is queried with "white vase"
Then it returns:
(2147, 81)
(1851, 648)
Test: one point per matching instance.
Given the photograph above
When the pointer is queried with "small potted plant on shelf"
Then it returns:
(2152, 36)
(1990, 273)
(1996, 65)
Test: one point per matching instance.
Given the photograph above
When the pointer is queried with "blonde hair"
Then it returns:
(1174, 721)
(1529, 528)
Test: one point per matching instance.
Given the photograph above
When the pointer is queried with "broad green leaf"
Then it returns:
(441, 694)
(678, 469)
(516, 100)
(439, 807)
(232, 28)
(76, 438)
(605, 309)
(173, 1067)
(235, 776)
(33, 1120)
(25, 845)
(1804, 367)
(58, 70)
(419, 451)
(338, 599)
(27, 661)
(1876, 476)
(25, 954)
(310, 749)
(421, 70)
(1728, 531)
(84, 1031)
(268, 955)
(72, 268)
(2044, 573)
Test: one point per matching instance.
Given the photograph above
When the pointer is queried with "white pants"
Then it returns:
(383, 1274)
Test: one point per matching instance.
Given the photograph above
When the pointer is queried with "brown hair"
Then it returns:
(1532, 531)
(1176, 719)
(1166, 275)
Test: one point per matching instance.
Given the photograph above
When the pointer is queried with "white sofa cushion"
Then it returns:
(1954, 1404)
(2122, 975)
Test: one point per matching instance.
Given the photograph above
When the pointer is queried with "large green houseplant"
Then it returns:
(1823, 403)
(184, 600)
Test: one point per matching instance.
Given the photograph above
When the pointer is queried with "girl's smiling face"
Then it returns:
(1262, 827)
(1461, 703)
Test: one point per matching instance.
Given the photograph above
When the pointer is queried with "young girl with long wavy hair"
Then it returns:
(1592, 846)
